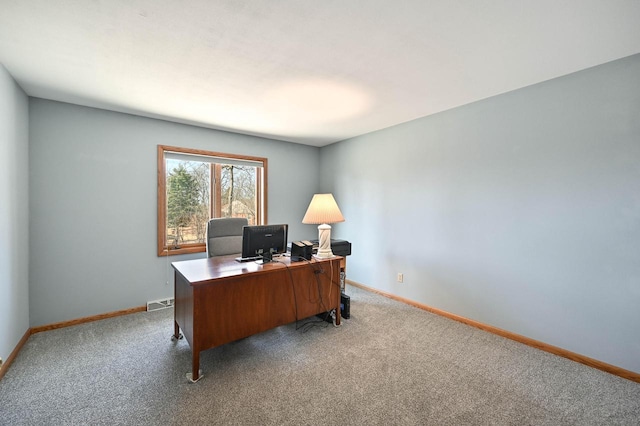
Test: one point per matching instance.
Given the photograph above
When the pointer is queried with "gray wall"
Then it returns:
(521, 211)
(93, 204)
(14, 214)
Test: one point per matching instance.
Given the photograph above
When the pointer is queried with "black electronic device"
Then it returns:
(345, 309)
(301, 250)
(338, 247)
(261, 242)
(345, 306)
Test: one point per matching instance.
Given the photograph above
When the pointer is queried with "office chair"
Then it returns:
(224, 236)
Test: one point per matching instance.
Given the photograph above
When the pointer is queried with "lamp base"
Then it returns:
(315, 256)
(324, 242)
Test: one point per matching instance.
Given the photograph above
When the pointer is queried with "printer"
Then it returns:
(338, 247)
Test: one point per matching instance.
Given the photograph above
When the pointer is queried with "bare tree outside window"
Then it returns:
(238, 187)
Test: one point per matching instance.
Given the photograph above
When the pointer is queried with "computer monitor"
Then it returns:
(263, 241)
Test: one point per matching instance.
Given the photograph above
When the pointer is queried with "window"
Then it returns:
(196, 185)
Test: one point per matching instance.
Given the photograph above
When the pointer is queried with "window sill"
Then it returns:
(195, 248)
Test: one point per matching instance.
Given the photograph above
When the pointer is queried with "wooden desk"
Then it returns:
(219, 300)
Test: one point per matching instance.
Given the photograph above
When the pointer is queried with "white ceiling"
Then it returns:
(311, 72)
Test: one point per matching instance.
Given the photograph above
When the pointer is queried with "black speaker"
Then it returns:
(301, 250)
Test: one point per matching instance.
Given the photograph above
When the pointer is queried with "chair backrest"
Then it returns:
(224, 235)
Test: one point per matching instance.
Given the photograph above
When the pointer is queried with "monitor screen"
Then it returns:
(263, 241)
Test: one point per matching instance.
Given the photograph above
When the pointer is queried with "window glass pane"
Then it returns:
(238, 192)
(188, 201)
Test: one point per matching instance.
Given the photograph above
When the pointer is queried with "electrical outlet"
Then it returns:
(400, 277)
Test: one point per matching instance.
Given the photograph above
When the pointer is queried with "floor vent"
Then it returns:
(156, 305)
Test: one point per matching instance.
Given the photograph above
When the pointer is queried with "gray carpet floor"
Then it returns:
(389, 364)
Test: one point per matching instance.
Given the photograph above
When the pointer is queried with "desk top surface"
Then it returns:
(219, 267)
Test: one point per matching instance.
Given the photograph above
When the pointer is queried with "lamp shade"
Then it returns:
(323, 209)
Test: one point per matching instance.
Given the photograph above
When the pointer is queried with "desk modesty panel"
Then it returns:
(219, 300)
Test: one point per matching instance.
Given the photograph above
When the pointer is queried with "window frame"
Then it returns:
(261, 189)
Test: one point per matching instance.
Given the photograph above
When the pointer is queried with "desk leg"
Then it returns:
(176, 330)
(340, 280)
(195, 375)
(176, 333)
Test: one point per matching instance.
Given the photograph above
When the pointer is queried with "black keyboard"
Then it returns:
(248, 259)
(253, 259)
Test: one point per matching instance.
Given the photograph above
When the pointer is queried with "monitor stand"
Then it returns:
(266, 258)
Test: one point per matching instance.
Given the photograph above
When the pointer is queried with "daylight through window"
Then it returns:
(196, 185)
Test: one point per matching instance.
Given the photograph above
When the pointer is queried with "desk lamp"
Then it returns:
(323, 210)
